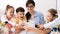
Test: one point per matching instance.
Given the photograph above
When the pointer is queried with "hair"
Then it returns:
(8, 7)
(30, 2)
(28, 16)
(20, 9)
(53, 12)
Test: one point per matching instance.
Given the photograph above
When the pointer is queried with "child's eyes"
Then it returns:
(11, 12)
(21, 14)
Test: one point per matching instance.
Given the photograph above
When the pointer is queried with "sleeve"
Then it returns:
(3, 19)
(48, 25)
(52, 24)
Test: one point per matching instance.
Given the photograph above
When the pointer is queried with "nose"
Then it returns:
(29, 8)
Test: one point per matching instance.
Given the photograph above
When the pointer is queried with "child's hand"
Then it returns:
(26, 28)
(41, 27)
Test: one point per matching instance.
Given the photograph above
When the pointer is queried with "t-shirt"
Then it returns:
(4, 18)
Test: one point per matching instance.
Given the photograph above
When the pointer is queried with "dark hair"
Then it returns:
(53, 12)
(8, 7)
(30, 2)
(28, 16)
(20, 9)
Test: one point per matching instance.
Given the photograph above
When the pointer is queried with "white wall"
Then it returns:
(44, 5)
(58, 6)
(15, 3)
(41, 5)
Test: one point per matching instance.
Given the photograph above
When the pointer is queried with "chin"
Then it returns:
(11, 16)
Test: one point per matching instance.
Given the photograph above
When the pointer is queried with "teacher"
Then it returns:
(32, 14)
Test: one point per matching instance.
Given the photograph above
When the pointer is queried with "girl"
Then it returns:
(8, 17)
(9, 13)
(33, 17)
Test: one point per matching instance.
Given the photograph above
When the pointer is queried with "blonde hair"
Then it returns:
(16, 20)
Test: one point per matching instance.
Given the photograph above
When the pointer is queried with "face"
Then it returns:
(49, 17)
(20, 14)
(10, 12)
(30, 7)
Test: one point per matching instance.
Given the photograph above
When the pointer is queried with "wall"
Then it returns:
(41, 5)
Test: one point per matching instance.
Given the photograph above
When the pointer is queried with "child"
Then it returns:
(51, 18)
(8, 16)
(19, 20)
(52, 21)
(9, 13)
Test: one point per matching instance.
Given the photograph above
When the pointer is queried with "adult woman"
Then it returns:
(32, 14)
(33, 17)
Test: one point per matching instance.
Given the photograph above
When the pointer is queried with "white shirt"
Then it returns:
(4, 18)
(52, 24)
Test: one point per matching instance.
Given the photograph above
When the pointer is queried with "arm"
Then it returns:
(42, 31)
(19, 28)
(39, 31)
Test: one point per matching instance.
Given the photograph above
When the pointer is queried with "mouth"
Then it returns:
(21, 17)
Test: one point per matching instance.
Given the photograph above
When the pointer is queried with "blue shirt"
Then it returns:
(39, 18)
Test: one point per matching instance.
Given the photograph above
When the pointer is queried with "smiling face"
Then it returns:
(10, 12)
(49, 17)
(20, 14)
(30, 7)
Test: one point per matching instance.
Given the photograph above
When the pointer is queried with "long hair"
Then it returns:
(28, 16)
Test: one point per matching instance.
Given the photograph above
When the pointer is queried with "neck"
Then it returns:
(31, 12)
(32, 15)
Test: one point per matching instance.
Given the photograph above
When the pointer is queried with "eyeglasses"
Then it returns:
(30, 6)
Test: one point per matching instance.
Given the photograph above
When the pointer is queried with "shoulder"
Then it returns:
(38, 13)
(3, 16)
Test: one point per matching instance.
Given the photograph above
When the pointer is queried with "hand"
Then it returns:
(25, 27)
(41, 27)
(19, 27)
(28, 28)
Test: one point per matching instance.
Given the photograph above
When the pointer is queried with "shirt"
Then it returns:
(52, 24)
(38, 18)
(4, 18)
